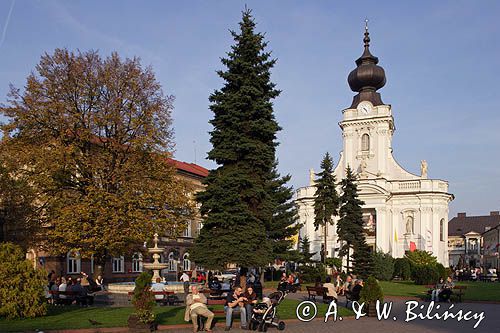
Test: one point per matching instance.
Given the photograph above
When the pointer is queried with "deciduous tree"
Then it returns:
(92, 137)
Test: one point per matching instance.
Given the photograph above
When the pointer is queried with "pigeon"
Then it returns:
(93, 322)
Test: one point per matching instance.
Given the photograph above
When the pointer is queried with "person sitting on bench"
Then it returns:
(331, 295)
(437, 290)
(196, 306)
(158, 286)
(235, 301)
(445, 294)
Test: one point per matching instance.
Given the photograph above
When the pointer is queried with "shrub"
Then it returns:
(402, 268)
(371, 291)
(310, 273)
(143, 299)
(421, 258)
(441, 271)
(334, 262)
(22, 288)
(425, 274)
(383, 266)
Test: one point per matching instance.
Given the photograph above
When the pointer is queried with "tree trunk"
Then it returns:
(324, 246)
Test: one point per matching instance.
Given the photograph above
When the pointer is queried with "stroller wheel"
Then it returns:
(281, 325)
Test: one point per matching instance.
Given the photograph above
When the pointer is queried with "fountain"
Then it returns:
(156, 265)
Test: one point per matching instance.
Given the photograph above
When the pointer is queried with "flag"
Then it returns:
(395, 235)
(413, 246)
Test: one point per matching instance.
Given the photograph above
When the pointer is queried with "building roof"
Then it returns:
(191, 168)
(462, 224)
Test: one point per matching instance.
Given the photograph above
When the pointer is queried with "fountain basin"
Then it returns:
(126, 287)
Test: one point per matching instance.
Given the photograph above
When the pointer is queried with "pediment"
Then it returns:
(367, 189)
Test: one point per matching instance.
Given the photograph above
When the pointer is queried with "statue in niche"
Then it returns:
(409, 225)
(363, 166)
(423, 168)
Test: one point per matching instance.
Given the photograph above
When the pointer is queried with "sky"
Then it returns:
(441, 60)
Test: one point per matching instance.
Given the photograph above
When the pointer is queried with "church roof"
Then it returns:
(463, 224)
(367, 77)
(190, 168)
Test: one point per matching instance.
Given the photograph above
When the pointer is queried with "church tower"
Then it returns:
(367, 125)
(402, 211)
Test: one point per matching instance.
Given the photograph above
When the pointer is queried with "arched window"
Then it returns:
(187, 231)
(73, 262)
(171, 262)
(118, 264)
(186, 263)
(441, 230)
(365, 142)
(137, 262)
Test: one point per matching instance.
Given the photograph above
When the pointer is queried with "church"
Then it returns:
(402, 211)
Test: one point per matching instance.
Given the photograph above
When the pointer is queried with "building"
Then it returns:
(127, 268)
(401, 208)
(466, 242)
(491, 247)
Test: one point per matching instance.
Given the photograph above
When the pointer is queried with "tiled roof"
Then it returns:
(460, 225)
(191, 168)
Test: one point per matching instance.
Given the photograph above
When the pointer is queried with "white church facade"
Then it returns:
(401, 210)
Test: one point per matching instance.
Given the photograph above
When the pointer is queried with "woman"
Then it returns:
(437, 289)
(99, 281)
(251, 297)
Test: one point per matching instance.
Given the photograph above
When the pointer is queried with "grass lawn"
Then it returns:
(70, 317)
(476, 291)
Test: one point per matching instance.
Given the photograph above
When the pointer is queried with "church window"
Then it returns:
(365, 142)
(137, 263)
(118, 264)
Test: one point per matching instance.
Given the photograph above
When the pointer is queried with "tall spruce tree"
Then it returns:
(326, 200)
(305, 251)
(350, 226)
(246, 206)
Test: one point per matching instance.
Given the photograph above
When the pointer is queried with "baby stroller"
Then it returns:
(264, 314)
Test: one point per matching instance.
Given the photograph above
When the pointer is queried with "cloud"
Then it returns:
(6, 26)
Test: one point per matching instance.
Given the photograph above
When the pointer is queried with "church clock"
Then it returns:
(365, 108)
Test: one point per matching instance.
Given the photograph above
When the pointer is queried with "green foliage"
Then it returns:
(305, 251)
(419, 257)
(334, 262)
(326, 199)
(21, 286)
(310, 273)
(247, 209)
(425, 274)
(143, 299)
(441, 271)
(383, 266)
(92, 136)
(350, 227)
(371, 291)
(402, 268)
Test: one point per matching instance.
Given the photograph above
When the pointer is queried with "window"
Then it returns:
(198, 228)
(118, 264)
(186, 263)
(441, 230)
(73, 262)
(137, 262)
(171, 262)
(365, 142)
(187, 231)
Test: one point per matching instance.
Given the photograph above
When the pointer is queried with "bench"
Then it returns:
(168, 297)
(70, 296)
(458, 292)
(216, 312)
(312, 292)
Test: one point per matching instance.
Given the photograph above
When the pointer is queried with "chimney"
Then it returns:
(494, 213)
(461, 215)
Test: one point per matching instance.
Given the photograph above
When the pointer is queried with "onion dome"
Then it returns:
(367, 77)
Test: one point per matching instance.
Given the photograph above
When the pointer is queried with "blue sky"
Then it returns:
(440, 57)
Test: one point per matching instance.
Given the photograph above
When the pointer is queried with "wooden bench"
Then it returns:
(168, 297)
(312, 292)
(70, 296)
(216, 312)
(458, 292)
